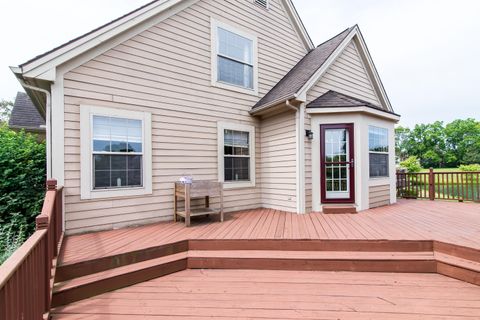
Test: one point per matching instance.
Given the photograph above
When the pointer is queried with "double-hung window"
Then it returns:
(378, 151)
(236, 155)
(233, 59)
(115, 152)
(117, 155)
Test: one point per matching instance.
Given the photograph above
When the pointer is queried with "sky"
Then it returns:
(426, 51)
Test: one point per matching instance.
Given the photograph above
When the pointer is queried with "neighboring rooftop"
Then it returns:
(296, 78)
(25, 115)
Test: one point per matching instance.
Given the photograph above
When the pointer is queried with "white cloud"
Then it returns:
(426, 51)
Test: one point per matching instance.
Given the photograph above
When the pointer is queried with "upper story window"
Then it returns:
(262, 3)
(115, 152)
(234, 56)
(378, 151)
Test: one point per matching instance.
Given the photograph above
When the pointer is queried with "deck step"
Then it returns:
(458, 268)
(339, 209)
(311, 260)
(94, 284)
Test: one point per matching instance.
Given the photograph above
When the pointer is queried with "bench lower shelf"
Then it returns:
(198, 212)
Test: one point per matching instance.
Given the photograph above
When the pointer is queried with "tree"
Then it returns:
(402, 142)
(439, 145)
(6, 107)
(463, 138)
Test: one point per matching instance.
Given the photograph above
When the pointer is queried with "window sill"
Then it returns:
(111, 193)
(238, 185)
(379, 181)
(232, 87)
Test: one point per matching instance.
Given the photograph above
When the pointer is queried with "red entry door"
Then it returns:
(337, 167)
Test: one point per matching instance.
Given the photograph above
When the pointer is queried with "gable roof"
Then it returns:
(43, 65)
(299, 75)
(333, 99)
(310, 69)
(25, 115)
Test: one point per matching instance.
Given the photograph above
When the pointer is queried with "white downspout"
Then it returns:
(300, 155)
(48, 121)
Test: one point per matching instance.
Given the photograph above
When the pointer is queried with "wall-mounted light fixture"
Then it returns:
(309, 134)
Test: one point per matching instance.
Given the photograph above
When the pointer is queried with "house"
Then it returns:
(25, 116)
(233, 91)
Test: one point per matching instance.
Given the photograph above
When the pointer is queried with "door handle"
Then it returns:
(352, 162)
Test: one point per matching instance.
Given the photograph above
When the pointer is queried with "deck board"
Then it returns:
(258, 294)
(456, 223)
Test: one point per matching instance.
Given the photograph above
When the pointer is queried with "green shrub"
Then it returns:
(470, 167)
(22, 184)
(11, 240)
(411, 164)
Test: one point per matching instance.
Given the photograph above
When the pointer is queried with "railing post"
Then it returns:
(431, 184)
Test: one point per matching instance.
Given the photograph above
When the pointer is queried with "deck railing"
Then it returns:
(26, 277)
(458, 186)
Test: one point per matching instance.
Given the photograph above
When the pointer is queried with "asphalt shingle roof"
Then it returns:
(25, 114)
(299, 75)
(333, 99)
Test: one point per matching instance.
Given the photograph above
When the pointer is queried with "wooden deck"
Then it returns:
(451, 222)
(273, 265)
(257, 294)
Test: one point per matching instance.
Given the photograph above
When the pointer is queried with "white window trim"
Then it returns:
(222, 126)
(86, 175)
(215, 24)
(387, 177)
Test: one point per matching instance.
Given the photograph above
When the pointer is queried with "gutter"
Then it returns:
(48, 121)
(273, 103)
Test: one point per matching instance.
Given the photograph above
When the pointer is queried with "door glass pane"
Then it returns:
(336, 145)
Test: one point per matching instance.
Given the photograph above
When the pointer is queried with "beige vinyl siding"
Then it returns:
(379, 196)
(346, 75)
(278, 162)
(166, 71)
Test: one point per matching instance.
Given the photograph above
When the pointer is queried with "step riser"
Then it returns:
(314, 245)
(410, 266)
(81, 269)
(339, 210)
(458, 273)
(118, 282)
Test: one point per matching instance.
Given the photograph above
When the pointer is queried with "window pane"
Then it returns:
(235, 46)
(237, 169)
(101, 145)
(116, 171)
(378, 165)
(378, 139)
(235, 73)
(117, 135)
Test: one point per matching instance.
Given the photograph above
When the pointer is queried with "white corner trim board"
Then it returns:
(86, 175)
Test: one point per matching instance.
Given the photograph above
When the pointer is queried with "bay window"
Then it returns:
(378, 151)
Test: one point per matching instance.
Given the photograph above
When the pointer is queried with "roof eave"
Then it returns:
(262, 108)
